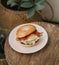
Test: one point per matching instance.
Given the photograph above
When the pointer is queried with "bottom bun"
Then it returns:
(25, 45)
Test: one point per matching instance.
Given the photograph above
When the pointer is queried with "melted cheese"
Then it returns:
(31, 40)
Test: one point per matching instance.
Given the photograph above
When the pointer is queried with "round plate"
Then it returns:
(19, 48)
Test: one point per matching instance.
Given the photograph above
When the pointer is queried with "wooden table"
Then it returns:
(49, 55)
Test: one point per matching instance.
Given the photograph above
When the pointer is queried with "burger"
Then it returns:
(28, 35)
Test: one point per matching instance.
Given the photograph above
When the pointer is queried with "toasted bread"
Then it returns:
(25, 30)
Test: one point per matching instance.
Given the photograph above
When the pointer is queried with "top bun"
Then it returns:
(25, 30)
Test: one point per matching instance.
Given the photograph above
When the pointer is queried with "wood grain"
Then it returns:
(49, 55)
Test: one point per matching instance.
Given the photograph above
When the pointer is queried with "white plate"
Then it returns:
(19, 48)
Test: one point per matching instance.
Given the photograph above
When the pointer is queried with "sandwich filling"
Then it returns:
(30, 41)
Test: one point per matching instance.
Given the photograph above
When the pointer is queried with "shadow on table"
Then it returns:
(3, 35)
